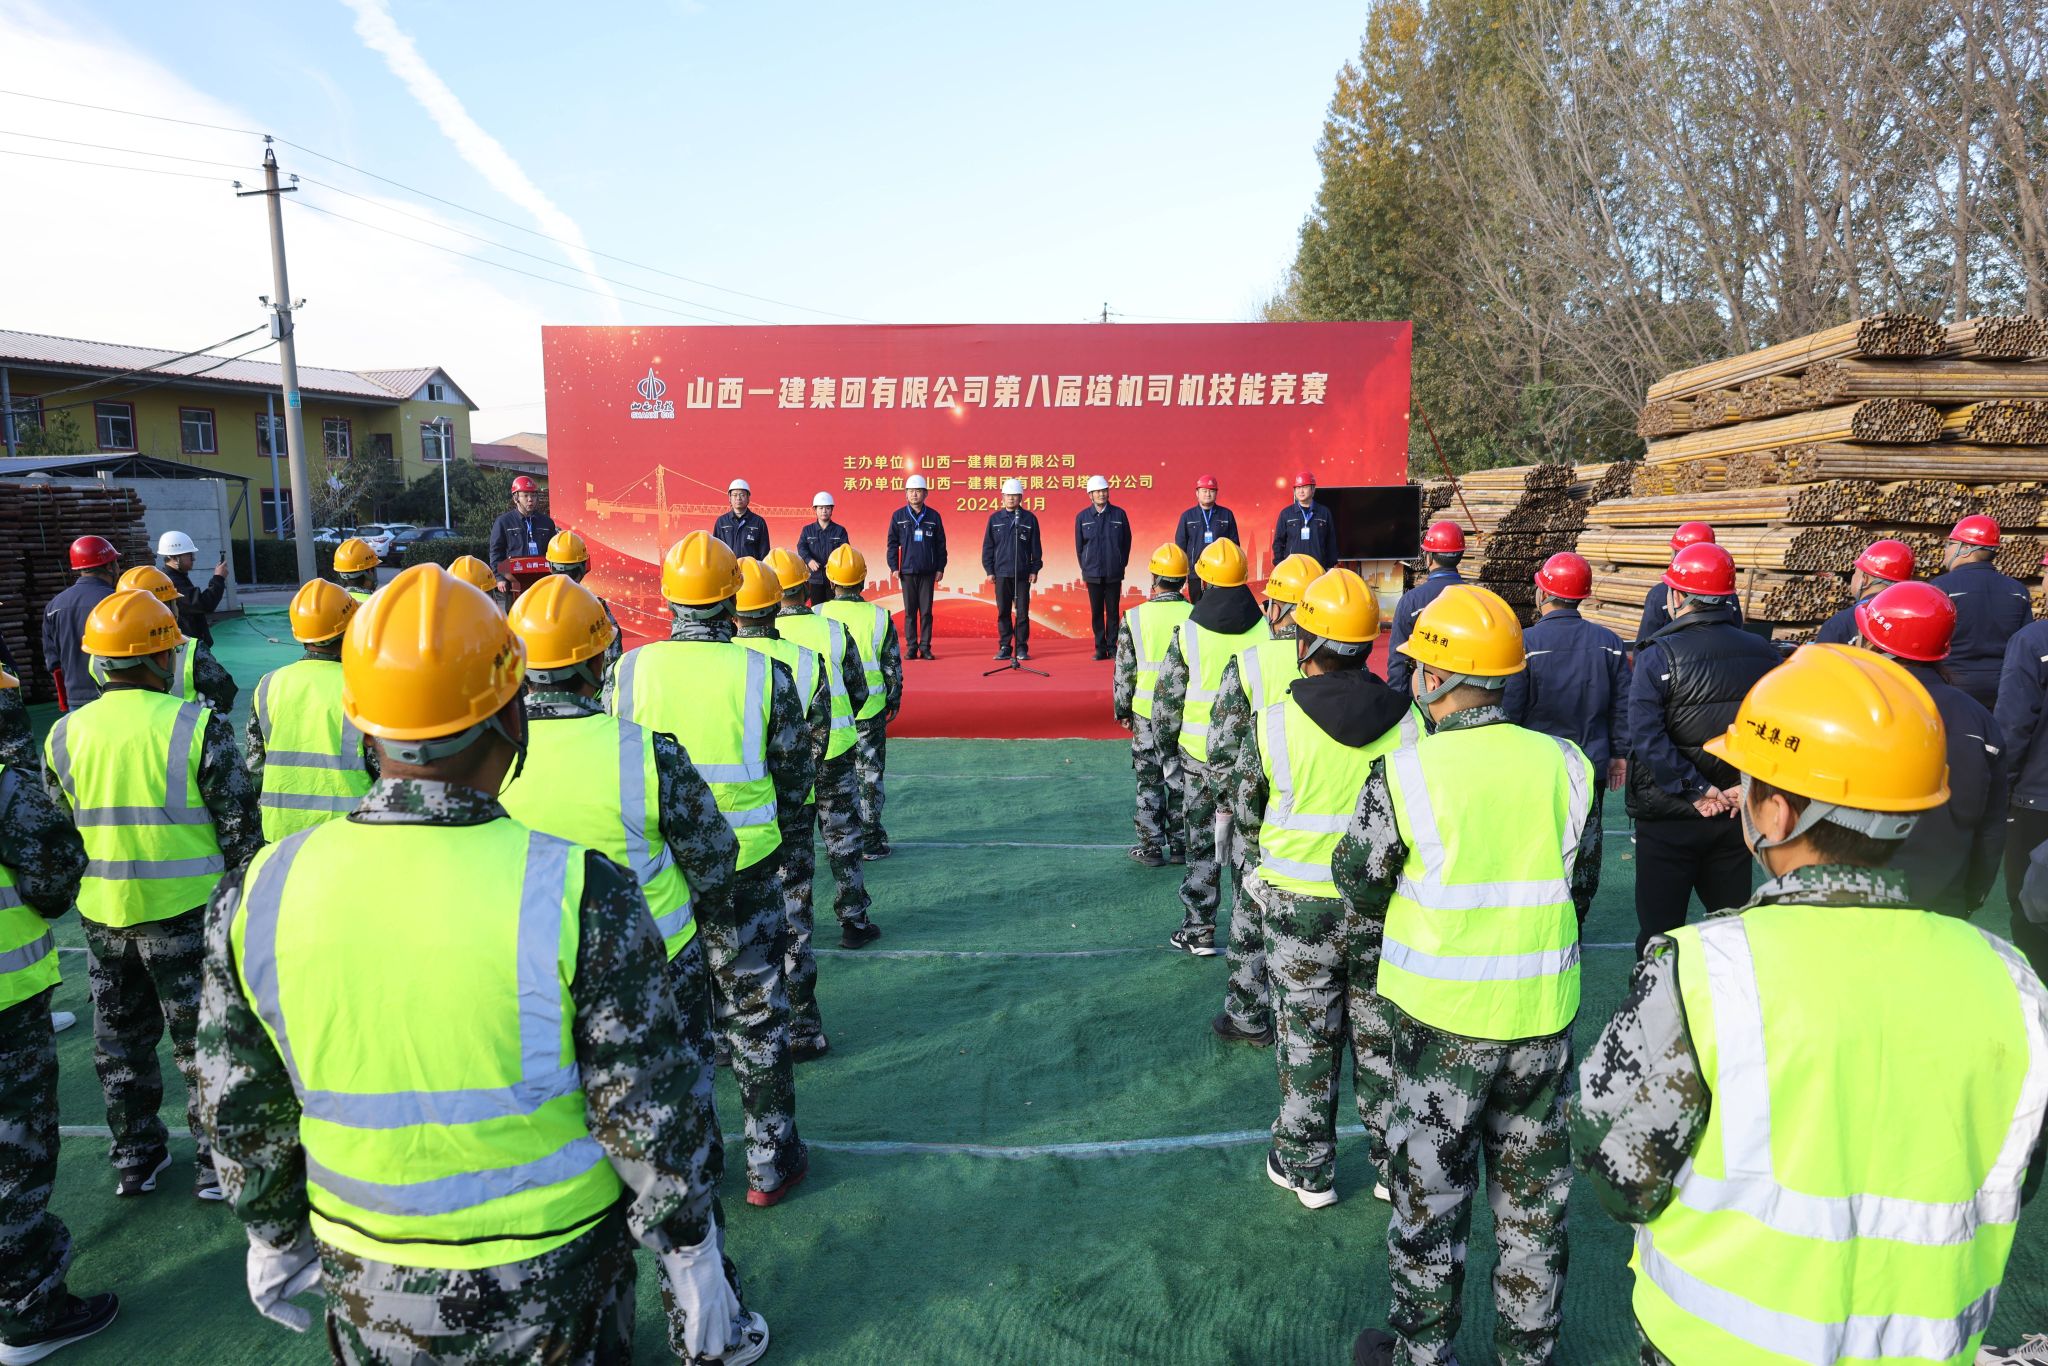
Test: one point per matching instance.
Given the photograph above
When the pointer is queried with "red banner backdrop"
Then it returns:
(648, 425)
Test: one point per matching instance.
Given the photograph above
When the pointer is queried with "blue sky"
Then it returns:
(894, 163)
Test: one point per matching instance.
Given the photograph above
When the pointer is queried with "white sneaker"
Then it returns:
(1380, 1192)
(1309, 1199)
(752, 1346)
(2032, 1351)
(61, 1020)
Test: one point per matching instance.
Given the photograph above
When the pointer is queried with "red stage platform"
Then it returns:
(948, 697)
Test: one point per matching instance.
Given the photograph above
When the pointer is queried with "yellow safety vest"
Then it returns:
(1205, 652)
(805, 666)
(441, 1105)
(28, 951)
(718, 699)
(184, 668)
(1266, 670)
(1879, 1076)
(1152, 625)
(869, 627)
(828, 638)
(1482, 938)
(312, 754)
(128, 765)
(1313, 784)
(358, 594)
(592, 780)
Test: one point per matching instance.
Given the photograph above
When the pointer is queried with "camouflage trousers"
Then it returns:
(690, 980)
(1211, 838)
(1247, 995)
(1159, 816)
(750, 1005)
(870, 763)
(796, 865)
(144, 979)
(572, 1304)
(17, 745)
(1456, 1100)
(35, 1247)
(839, 822)
(1323, 959)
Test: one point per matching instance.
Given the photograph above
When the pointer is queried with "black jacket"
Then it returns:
(1952, 857)
(2022, 694)
(911, 552)
(1010, 548)
(196, 603)
(63, 628)
(1576, 686)
(1193, 534)
(1102, 542)
(513, 533)
(1690, 678)
(816, 542)
(746, 535)
(1990, 610)
(1656, 617)
(1320, 542)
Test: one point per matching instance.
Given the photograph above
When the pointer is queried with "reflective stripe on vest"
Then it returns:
(1152, 625)
(716, 698)
(803, 664)
(184, 668)
(1489, 957)
(1266, 670)
(1206, 653)
(1305, 819)
(128, 766)
(312, 754)
(352, 999)
(829, 639)
(28, 950)
(869, 627)
(1762, 1254)
(593, 780)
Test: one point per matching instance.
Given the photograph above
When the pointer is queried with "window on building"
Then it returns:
(277, 511)
(270, 435)
(336, 438)
(115, 425)
(433, 450)
(437, 392)
(27, 412)
(195, 431)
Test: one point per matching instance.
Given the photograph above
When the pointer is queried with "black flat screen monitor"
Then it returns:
(1376, 523)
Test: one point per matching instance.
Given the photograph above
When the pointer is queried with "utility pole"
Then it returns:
(447, 449)
(281, 328)
(1105, 310)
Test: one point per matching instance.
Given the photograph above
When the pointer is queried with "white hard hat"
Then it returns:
(1011, 486)
(175, 543)
(915, 481)
(739, 485)
(823, 500)
(1097, 483)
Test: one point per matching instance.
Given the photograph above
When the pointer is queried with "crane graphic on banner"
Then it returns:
(630, 501)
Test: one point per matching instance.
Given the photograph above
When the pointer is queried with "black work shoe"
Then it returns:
(808, 1050)
(1149, 857)
(859, 935)
(875, 851)
(1023, 654)
(1193, 942)
(140, 1179)
(1177, 856)
(1003, 653)
(80, 1320)
(1230, 1031)
(1373, 1348)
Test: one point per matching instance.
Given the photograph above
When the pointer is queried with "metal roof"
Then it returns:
(116, 463)
(383, 386)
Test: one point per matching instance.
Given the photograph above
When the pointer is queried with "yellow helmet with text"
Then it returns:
(149, 579)
(1291, 577)
(561, 623)
(130, 624)
(474, 572)
(320, 611)
(1468, 631)
(1169, 562)
(354, 556)
(428, 657)
(1337, 606)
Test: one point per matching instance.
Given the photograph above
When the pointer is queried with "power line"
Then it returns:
(159, 364)
(130, 113)
(112, 166)
(136, 151)
(46, 408)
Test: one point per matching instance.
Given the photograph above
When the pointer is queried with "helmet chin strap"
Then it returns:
(1879, 825)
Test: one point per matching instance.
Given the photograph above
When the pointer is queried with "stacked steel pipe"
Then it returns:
(38, 522)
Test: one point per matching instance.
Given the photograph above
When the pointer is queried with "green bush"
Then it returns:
(443, 550)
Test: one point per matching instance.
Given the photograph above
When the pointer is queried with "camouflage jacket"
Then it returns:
(1170, 699)
(1124, 673)
(851, 675)
(215, 684)
(253, 745)
(627, 1032)
(39, 846)
(1642, 1102)
(1371, 852)
(1232, 718)
(789, 741)
(17, 743)
(818, 713)
(223, 784)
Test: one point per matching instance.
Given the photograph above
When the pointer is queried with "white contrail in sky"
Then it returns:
(382, 35)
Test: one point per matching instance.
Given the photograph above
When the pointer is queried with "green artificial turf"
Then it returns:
(1028, 1146)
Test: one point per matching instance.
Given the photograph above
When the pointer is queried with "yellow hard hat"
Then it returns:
(760, 592)
(699, 571)
(1468, 630)
(789, 570)
(151, 580)
(1291, 577)
(428, 656)
(1841, 725)
(128, 624)
(1336, 606)
(1169, 562)
(473, 572)
(561, 623)
(566, 547)
(320, 611)
(847, 567)
(1222, 564)
(354, 555)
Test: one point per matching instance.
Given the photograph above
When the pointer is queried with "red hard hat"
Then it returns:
(1910, 620)
(1206, 481)
(1978, 530)
(524, 485)
(1566, 575)
(90, 552)
(1705, 570)
(1305, 480)
(1692, 533)
(1891, 561)
(1446, 538)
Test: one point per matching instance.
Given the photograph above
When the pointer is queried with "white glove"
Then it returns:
(276, 1274)
(695, 1276)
